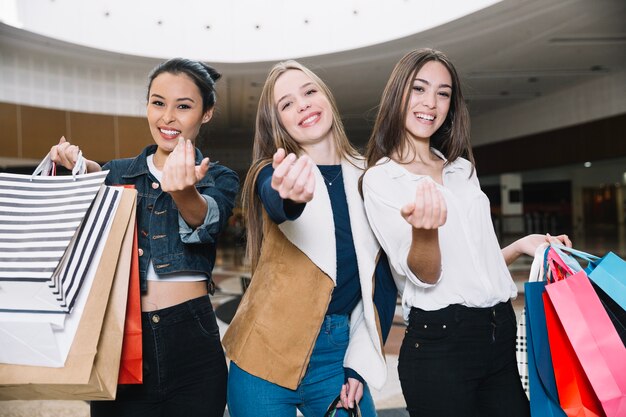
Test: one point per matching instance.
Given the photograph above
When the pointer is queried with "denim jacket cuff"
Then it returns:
(189, 235)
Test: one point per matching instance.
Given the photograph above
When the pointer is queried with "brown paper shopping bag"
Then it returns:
(91, 369)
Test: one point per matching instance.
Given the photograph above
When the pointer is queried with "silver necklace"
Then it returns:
(330, 182)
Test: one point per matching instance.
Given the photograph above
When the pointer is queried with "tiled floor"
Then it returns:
(389, 400)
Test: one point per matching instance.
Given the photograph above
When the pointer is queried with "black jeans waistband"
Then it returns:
(180, 312)
(458, 312)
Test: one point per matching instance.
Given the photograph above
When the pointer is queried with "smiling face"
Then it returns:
(174, 110)
(303, 109)
(429, 101)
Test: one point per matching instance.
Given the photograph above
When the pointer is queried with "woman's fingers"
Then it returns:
(302, 177)
(343, 396)
(429, 210)
(354, 387)
(278, 157)
(292, 176)
(202, 169)
(294, 179)
(281, 170)
(190, 163)
(309, 188)
(179, 170)
(560, 239)
(64, 153)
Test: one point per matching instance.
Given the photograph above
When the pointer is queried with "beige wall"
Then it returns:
(29, 132)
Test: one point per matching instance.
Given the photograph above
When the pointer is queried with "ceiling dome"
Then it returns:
(231, 31)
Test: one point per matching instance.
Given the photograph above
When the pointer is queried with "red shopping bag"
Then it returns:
(576, 396)
(593, 338)
(131, 363)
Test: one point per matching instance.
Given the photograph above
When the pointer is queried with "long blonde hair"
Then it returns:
(270, 135)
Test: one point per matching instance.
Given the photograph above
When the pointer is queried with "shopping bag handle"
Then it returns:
(47, 167)
(568, 256)
(536, 269)
(332, 409)
(560, 270)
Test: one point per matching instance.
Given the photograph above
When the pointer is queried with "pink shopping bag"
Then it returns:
(595, 341)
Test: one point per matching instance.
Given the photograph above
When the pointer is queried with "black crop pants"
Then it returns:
(460, 361)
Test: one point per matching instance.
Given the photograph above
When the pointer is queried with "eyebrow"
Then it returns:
(428, 83)
(301, 87)
(178, 99)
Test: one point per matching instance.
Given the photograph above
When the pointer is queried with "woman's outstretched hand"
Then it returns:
(428, 210)
(180, 171)
(293, 177)
(529, 244)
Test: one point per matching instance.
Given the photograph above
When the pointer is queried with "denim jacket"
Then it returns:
(163, 236)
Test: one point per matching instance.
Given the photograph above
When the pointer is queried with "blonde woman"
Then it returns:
(307, 329)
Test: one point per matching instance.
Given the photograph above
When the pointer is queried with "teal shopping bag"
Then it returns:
(609, 273)
(544, 401)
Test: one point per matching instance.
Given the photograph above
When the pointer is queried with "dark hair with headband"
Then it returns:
(203, 75)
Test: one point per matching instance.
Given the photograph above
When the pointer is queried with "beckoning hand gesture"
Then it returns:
(429, 210)
(294, 179)
(180, 171)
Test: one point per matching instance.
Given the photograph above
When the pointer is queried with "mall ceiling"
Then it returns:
(513, 51)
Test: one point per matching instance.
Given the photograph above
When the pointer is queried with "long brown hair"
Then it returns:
(270, 135)
(452, 139)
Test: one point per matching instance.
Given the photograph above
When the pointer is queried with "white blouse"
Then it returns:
(473, 270)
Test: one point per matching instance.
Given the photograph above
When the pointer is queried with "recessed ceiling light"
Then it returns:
(257, 27)
(587, 164)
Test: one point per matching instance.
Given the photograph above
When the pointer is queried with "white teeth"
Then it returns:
(170, 132)
(309, 119)
(425, 116)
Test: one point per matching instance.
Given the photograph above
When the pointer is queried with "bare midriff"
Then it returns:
(166, 294)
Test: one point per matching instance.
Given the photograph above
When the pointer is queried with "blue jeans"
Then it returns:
(250, 396)
(184, 368)
(460, 361)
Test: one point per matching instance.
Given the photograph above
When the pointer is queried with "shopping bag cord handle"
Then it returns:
(45, 168)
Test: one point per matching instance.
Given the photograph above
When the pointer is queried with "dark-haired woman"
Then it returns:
(425, 205)
(183, 203)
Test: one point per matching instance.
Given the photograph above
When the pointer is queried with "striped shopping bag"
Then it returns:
(44, 238)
